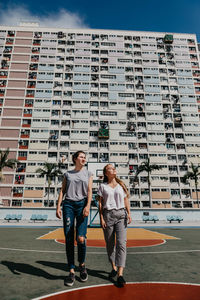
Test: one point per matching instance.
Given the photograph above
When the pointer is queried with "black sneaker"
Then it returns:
(120, 281)
(83, 273)
(69, 280)
(112, 274)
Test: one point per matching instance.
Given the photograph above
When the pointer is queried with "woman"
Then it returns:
(114, 212)
(77, 193)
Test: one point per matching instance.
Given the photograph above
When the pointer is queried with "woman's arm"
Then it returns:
(87, 207)
(60, 198)
(103, 223)
(127, 206)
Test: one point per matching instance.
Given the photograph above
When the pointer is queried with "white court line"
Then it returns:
(90, 252)
(110, 284)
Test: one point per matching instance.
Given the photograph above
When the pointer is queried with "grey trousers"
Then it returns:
(116, 228)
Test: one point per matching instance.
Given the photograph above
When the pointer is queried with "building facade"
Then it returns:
(120, 96)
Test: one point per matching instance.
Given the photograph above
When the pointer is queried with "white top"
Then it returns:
(113, 198)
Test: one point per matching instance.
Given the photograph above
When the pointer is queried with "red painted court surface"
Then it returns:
(132, 291)
(130, 243)
(136, 237)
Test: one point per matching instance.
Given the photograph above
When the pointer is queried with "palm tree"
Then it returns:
(50, 170)
(146, 166)
(6, 162)
(194, 174)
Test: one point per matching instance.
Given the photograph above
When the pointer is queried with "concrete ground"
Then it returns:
(31, 267)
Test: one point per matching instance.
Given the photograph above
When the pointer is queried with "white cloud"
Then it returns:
(62, 18)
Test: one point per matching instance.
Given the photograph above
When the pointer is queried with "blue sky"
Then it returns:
(143, 15)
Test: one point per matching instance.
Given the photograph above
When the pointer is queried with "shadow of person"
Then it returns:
(55, 265)
(19, 268)
(60, 266)
(98, 273)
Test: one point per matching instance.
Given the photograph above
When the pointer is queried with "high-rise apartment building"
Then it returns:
(120, 96)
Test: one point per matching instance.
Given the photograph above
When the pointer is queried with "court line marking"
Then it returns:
(128, 253)
(110, 284)
(164, 241)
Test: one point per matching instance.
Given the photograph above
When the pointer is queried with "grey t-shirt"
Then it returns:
(77, 184)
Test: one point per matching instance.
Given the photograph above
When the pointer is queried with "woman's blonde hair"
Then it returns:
(105, 179)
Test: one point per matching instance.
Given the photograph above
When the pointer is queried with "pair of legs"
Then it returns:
(73, 210)
(115, 237)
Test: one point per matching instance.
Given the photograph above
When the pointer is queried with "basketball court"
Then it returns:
(162, 263)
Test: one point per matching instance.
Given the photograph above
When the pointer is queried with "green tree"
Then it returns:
(194, 174)
(6, 162)
(146, 166)
(50, 171)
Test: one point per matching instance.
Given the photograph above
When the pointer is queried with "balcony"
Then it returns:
(21, 168)
(35, 58)
(103, 133)
(35, 50)
(7, 50)
(2, 92)
(4, 64)
(28, 103)
(3, 74)
(9, 41)
(168, 39)
(22, 158)
(18, 195)
(19, 179)
(33, 66)
(2, 83)
(32, 75)
(27, 124)
(25, 136)
(36, 42)
(27, 114)
(23, 144)
(30, 94)
(11, 33)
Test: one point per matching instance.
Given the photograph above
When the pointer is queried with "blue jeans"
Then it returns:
(74, 210)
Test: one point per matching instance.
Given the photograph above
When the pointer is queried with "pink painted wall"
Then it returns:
(23, 42)
(8, 179)
(12, 155)
(5, 191)
(15, 93)
(12, 112)
(18, 66)
(22, 49)
(4, 144)
(16, 83)
(11, 122)
(18, 57)
(9, 133)
(14, 102)
(17, 75)
(24, 34)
